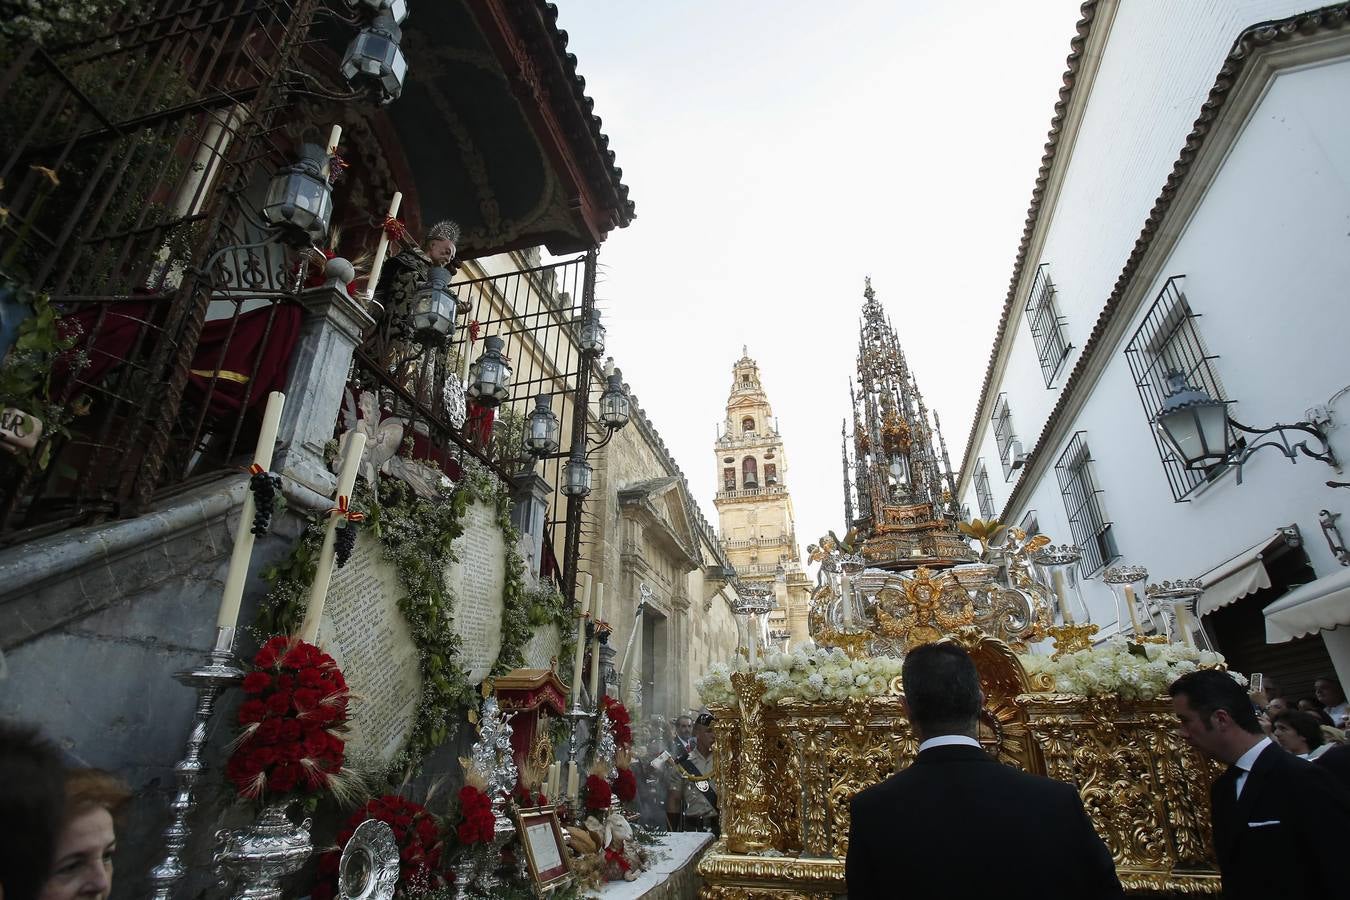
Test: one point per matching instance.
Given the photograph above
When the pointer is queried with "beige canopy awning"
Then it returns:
(1316, 606)
(1242, 575)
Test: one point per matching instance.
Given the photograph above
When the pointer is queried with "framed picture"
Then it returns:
(541, 838)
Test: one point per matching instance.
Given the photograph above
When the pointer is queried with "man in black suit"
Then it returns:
(1280, 822)
(957, 823)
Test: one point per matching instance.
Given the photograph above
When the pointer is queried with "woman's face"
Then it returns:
(84, 852)
(1290, 739)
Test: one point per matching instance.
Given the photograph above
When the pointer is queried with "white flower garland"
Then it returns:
(815, 674)
(809, 674)
(1130, 671)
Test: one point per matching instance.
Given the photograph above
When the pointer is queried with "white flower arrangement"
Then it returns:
(810, 674)
(1131, 671)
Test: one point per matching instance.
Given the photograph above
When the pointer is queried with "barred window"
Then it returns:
(1004, 436)
(1047, 327)
(1166, 341)
(983, 496)
(1082, 504)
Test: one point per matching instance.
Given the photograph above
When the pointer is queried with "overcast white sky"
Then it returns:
(780, 151)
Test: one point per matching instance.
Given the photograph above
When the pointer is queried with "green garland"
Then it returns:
(417, 535)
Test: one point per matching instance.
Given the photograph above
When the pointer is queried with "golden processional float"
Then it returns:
(800, 734)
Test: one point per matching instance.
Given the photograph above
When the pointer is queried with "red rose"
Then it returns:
(285, 683)
(269, 732)
(279, 704)
(625, 785)
(271, 651)
(251, 711)
(312, 678)
(290, 730)
(306, 699)
(256, 682)
(284, 777)
(598, 794)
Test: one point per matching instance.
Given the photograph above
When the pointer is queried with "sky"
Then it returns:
(778, 152)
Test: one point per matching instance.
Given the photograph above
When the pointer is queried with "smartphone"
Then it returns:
(1256, 683)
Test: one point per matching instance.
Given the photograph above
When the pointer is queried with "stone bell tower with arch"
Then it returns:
(754, 507)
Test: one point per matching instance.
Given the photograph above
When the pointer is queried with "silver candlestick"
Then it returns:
(210, 678)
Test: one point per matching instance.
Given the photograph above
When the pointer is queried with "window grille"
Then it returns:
(983, 495)
(1082, 504)
(1047, 327)
(1003, 434)
(1167, 340)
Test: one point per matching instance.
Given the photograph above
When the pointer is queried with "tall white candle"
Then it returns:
(237, 574)
(323, 572)
(583, 610)
(573, 783)
(1063, 594)
(1129, 604)
(1184, 622)
(382, 247)
(599, 618)
(846, 597)
(331, 150)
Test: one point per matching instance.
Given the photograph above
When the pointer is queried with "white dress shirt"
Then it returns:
(1247, 760)
(949, 740)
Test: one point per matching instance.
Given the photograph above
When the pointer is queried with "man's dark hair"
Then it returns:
(32, 806)
(1305, 724)
(942, 689)
(1210, 690)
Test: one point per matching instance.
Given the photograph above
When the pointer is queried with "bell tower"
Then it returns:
(754, 507)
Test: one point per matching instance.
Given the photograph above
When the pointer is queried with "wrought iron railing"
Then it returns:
(1083, 506)
(1046, 324)
(127, 161)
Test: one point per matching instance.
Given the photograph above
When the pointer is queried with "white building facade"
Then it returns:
(1192, 213)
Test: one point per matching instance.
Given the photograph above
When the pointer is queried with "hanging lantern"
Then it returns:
(299, 199)
(615, 407)
(576, 475)
(490, 374)
(375, 58)
(397, 9)
(434, 308)
(541, 438)
(592, 337)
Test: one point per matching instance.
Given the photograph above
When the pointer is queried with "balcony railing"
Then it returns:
(751, 492)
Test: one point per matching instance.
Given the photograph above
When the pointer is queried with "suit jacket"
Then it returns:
(1337, 762)
(1286, 836)
(958, 823)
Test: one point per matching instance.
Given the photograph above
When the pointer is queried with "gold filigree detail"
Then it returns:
(1071, 638)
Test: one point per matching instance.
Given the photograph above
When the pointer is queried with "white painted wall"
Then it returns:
(1267, 263)
(1160, 60)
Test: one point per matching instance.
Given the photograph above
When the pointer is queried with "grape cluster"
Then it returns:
(344, 542)
(264, 486)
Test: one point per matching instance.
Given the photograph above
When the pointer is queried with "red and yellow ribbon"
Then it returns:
(395, 229)
(344, 510)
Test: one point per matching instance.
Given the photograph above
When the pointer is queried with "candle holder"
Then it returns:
(214, 675)
(1127, 583)
(1175, 602)
(1057, 568)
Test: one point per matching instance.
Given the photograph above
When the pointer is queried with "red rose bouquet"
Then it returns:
(477, 825)
(419, 843)
(295, 707)
(597, 794)
(625, 785)
(620, 722)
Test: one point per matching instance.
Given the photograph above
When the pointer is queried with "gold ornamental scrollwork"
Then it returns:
(750, 827)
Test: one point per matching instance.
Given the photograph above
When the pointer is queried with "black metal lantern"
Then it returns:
(300, 199)
(398, 9)
(576, 476)
(541, 438)
(1193, 424)
(374, 57)
(615, 407)
(434, 308)
(592, 337)
(490, 374)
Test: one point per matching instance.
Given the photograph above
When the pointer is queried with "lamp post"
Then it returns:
(434, 309)
(490, 374)
(591, 338)
(1197, 428)
(299, 199)
(576, 476)
(615, 407)
(542, 428)
(375, 58)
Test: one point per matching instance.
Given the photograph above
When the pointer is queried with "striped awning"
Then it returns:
(1319, 605)
(1242, 575)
